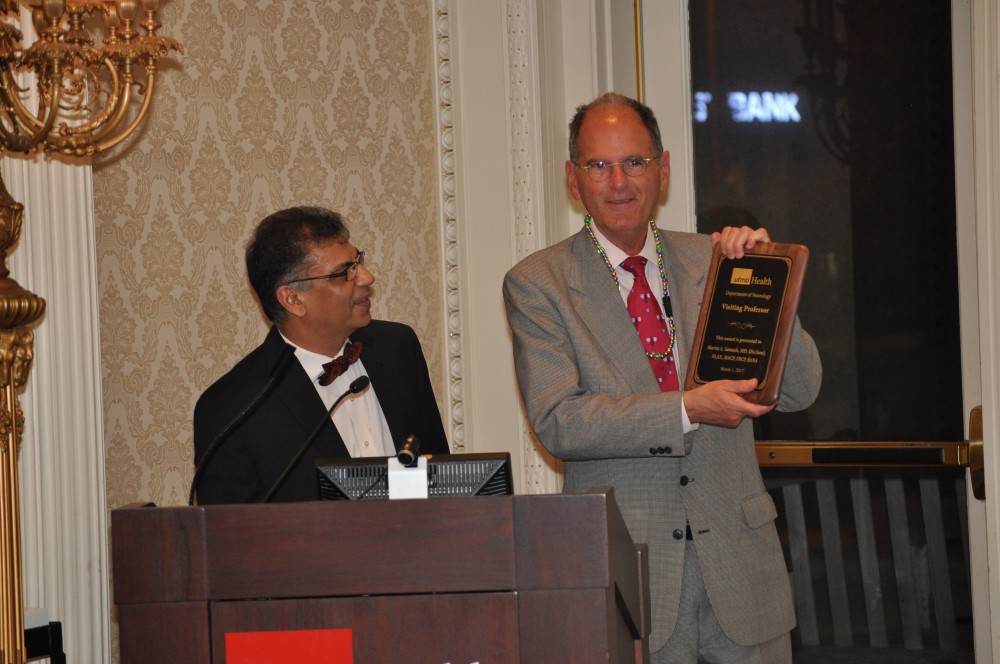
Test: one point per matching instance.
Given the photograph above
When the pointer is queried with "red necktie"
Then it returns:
(337, 366)
(647, 316)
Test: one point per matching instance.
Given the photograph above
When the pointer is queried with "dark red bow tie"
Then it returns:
(337, 366)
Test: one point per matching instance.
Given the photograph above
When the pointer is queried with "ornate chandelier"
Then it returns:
(92, 88)
(64, 93)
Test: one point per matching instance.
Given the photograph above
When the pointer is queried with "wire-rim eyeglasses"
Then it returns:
(349, 273)
(599, 169)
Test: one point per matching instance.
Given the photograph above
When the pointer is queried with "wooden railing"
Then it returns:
(876, 540)
(907, 454)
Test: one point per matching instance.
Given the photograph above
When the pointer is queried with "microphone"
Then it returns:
(356, 386)
(276, 373)
(407, 456)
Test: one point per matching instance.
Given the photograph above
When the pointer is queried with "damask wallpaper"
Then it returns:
(274, 103)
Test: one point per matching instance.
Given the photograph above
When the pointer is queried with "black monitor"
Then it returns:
(484, 474)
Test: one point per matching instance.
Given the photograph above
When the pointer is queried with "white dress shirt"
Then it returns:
(359, 417)
(625, 280)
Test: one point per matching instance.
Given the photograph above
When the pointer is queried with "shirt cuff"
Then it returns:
(686, 425)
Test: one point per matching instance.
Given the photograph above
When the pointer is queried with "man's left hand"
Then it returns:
(735, 241)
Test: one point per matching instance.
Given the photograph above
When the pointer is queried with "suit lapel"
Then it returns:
(385, 381)
(600, 306)
(300, 399)
(389, 368)
(685, 275)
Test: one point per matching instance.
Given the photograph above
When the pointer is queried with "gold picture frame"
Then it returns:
(640, 93)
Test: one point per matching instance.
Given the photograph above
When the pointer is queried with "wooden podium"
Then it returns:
(507, 579)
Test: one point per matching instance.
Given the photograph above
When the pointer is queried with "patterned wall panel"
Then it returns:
(279, 103)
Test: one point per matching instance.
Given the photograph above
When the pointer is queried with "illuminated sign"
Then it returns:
(701, 102)
(752, 106)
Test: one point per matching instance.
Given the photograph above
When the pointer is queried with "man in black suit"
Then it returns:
(314, 287)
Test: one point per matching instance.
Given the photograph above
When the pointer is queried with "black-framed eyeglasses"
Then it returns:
(599, 169)
(349, 273)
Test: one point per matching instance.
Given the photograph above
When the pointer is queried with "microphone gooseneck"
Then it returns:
(287, 352)
(357, 385)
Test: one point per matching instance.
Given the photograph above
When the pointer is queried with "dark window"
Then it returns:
(830, 123)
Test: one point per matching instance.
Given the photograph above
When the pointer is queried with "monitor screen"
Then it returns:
(485, 474)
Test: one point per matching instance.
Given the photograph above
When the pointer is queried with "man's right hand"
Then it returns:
(721, 403)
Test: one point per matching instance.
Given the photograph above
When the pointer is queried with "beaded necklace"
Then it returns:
(587, 221)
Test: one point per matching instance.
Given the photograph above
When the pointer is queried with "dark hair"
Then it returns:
(614, 99)
(280, 247)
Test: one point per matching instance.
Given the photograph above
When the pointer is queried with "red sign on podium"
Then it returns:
(322, 646)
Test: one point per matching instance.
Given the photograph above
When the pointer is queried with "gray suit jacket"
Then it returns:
(593, 402)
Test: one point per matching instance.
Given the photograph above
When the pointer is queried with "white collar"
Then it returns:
(616, 255)
(312, 362)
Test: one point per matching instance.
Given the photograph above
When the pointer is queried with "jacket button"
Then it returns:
(652, 450)
(668, 450)
(678, 534)
(684, 480)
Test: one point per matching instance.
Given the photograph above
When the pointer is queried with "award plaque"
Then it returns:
(747, 314)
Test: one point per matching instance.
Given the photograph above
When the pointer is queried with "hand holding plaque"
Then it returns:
(746, 320)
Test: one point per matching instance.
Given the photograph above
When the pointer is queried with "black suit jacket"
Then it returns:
(251, 459)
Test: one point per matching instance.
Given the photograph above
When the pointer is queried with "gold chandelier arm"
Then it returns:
(91, 138)
(35, 128)
(103, 133)
(75, 139)
(108, 143)
(15, 142)
(47, 59)
(151, 49)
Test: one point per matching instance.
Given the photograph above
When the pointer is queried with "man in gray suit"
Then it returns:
(682, 463)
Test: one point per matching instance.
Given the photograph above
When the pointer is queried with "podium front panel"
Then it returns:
(151, 633)
(479, 627)
(360, 547)
(591, 628)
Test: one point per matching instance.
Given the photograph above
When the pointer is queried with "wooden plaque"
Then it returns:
(747, 314)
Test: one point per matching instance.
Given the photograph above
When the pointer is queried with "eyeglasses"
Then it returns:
(601, 170)
(349, 273)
